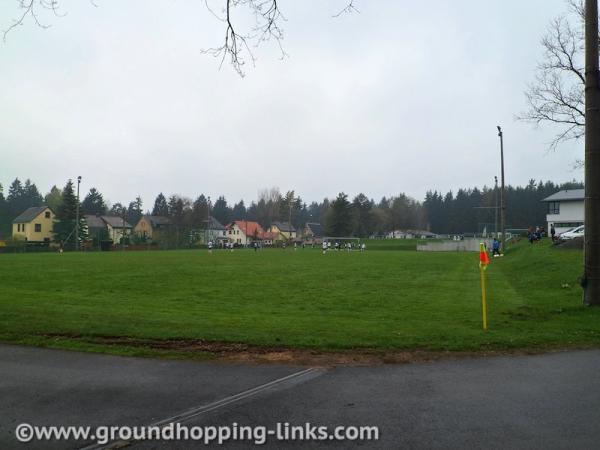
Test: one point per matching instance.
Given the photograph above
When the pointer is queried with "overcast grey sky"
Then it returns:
(402, 97)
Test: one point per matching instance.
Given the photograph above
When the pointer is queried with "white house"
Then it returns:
(565, 210)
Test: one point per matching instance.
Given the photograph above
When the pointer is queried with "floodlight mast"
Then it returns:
(591, 277)
(496, 208)
(502, 192)
(77, 216)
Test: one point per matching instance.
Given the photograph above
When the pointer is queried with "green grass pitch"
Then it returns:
(383, 299)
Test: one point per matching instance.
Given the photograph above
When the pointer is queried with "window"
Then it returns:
(553, 207)
(47, 215)
(38, 227)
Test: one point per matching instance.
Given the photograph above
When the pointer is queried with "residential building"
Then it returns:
(151, 227)
(96, 226)
(284, 229)
(116, 227)
(216, 231)
(34, 225)
(313, 233)
(243, 232)
(565, 210)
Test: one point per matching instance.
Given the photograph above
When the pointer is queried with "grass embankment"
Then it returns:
(383, 300)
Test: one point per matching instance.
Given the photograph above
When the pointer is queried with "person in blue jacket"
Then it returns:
(496, 247)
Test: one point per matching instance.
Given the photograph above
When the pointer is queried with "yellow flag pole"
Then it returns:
(484, 260)
(483, 297)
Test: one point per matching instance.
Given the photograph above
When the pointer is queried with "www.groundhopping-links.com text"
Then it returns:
(208, 434)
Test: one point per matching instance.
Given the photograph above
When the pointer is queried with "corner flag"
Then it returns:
(484, 260)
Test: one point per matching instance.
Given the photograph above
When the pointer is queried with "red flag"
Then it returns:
(484, 258)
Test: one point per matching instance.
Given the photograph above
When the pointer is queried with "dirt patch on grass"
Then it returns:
(255, 354)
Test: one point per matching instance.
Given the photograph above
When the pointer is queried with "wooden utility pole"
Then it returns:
(591, 276)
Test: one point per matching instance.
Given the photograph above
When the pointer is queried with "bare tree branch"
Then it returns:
(267, 17)
(237, 45)
(238, 42)
(557, 94)
(348, 9)
(32, 9)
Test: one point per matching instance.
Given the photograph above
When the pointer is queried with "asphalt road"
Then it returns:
(530, 402)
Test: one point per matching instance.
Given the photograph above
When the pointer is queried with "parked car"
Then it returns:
(572, 233)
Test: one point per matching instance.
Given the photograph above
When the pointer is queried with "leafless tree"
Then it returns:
(556, 95)
(31, 8)
(238, 43)
(267, 15)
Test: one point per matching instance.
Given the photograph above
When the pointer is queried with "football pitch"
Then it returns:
(388, 298)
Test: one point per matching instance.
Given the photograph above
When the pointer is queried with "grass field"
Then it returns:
(382, 300)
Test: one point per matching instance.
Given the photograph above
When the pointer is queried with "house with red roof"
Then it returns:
(244, 232)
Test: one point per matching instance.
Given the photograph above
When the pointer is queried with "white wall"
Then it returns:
(572, 211)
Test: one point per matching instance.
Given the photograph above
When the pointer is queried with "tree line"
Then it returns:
(466, 211)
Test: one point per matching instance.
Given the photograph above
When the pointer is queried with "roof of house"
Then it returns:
(29, 214)
(284, 226)
(214, 224)
(565, 196)
(248, 227)
(116, 222)
(158, 220)
(267, 235)
(316, 229)
(94, 221)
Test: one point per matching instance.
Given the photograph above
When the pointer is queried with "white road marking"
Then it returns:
(203, 409)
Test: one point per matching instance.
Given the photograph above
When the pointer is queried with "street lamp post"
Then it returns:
(496, 209)
(207, 220)
(291, 201)
(77, 216)
(502, 193)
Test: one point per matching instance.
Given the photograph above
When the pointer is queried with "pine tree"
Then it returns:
(239, 211)
(53, 198)
(15, 199)
(135, 212)
(32, 194)
(64, 227)
(363, 216)
(221, 211)
(118, 210)
(160, 206)
(84, 231)
(339, 222)
(4, 218)
(93, 203)
(200, 212)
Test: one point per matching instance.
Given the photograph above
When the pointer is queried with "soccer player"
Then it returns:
(210, 246)
(324, 247)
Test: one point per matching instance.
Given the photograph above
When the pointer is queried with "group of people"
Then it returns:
(326, 246)
(537, 233)
(348, 246)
